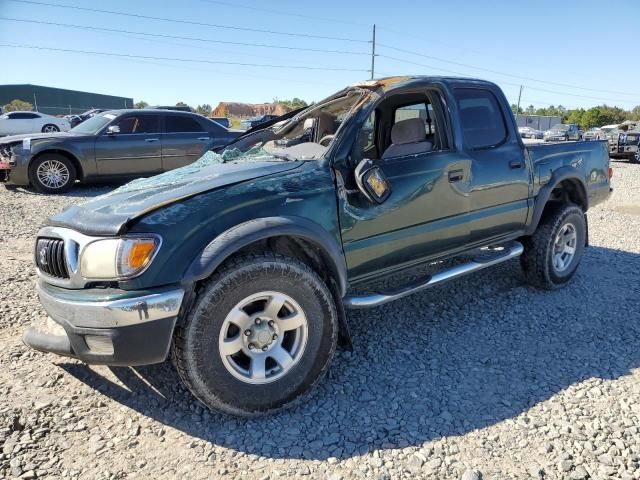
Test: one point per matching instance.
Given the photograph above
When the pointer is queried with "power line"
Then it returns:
(502, 73)
(282, 12)
(174, 59)
(630, 102)
(178, 37)
(189, 22)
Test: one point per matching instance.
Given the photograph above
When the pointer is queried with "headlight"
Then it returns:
(118, 258)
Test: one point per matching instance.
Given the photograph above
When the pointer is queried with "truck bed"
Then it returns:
(591, 159)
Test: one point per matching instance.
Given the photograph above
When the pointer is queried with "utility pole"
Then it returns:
(35, 101)
(373, 52)
(519, 97)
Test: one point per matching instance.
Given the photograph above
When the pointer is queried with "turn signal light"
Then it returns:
(140, 253)
(610, 173)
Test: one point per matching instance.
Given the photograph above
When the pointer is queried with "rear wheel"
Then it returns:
(552, 254)
(261, 333)
(50, 128)
(52, 173)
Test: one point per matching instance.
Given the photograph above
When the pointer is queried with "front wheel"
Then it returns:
(261, 333)
(552, 254)
(50, 128)
(52, 173)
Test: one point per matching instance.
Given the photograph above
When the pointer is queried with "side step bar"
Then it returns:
(508, 251)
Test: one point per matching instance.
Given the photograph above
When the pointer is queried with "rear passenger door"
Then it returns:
(184, 141)
(500, 176)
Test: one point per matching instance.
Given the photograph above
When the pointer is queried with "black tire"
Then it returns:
(50, 127)
(39, 185)
(196, 352)
(537, 258)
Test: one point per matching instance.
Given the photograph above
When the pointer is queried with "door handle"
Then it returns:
(151, 140)
(513, 164)
(455, 175)
(203, 139)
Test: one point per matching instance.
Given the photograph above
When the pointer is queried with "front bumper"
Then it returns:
(112, 328)
(18, 171)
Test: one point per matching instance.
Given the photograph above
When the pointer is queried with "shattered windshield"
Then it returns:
(178, 175)
(306, 136)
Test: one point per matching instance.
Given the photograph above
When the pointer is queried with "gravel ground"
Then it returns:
(480, 378)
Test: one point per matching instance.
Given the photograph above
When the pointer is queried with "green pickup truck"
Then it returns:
(241, 265)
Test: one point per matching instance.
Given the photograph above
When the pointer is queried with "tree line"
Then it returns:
(585, 118)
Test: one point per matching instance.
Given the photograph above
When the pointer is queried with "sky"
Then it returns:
(562, 52)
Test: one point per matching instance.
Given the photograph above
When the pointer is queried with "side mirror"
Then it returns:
(113, 129)
(372, 181)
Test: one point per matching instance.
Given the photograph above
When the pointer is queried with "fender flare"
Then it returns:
(559, 175)
(239, 236)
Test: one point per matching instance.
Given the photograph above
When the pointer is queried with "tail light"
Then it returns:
(610, 173)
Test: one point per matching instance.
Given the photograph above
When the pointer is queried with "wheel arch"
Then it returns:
(65, 153)
(565, 186)
(296, 236)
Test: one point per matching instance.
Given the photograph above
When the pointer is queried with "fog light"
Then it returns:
(99, 344)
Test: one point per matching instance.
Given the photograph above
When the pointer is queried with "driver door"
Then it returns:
(136, 150)
(424, 213)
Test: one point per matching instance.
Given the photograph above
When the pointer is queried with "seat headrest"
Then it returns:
(411, 130)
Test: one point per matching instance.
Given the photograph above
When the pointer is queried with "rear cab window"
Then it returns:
(481, 118)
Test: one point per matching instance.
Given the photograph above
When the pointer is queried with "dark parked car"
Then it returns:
(112, 145)
(243, 265)
(177, 108)
(248, 123)
(224, 121)
(562, 133)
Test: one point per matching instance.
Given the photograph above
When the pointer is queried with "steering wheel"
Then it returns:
(327, 139)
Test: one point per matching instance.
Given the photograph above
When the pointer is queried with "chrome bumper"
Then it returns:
(112, 313)
(119, 331)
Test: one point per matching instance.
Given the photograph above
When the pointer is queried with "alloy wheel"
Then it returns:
(564, 247)
(263, 337)
(53, 174)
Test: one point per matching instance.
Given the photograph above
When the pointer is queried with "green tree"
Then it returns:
(181, 104)
(515, 109)
(141, 104)
(17, 105)
(576, 116)
(531, 110)
(204, 109)
(294, 103)
(635, 113)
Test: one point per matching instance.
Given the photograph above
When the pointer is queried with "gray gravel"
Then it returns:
(480, 378)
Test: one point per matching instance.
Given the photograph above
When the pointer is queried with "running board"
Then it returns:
(507, 252)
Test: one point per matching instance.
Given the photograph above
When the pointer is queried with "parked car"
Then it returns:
(224, 121)
(113, 145)
(562, 133)
(15, 123)
(249, 123)
(595, 133)
(243, 267)
(177, 108)
(529, 132)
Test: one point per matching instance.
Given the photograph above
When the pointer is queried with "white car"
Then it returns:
(15, 123)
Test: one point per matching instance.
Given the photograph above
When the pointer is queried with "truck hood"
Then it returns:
(109, 214)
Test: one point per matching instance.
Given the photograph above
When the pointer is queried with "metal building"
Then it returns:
(539, 122)
(59, 101)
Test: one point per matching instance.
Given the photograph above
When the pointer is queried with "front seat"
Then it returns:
(408, 137)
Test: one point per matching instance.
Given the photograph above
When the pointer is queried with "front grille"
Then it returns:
(50, 257)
